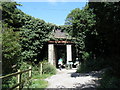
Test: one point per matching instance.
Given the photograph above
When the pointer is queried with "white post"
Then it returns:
(30, 72)
(18, 80)
(69, 53)
(40, 68)
(51, 53)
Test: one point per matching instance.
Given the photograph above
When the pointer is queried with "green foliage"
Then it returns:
(24, 65)
(37, 80)
(107, 27)
(95, 30)
(35, 75)
(81, 22)
(48, 68)
(11, 50)
(10, 14)
(92, 65)
(86, 55)
(38, 84)
(68, 30)
(102, 43)
(39, 76)
(9, 82)
(109, 81)
(35, 34)
(36, 70)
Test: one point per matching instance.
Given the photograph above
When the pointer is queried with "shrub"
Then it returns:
(35, 69)
(109, 80)
(48, 68)
(92, 65)
(37, 80)
(10, 51)
(38, 84)
(9, 82)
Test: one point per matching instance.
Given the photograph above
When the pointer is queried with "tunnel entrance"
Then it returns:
(60, 53)
(57, 49)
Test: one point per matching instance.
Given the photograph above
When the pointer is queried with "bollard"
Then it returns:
(18, 79)
(30, 72)
(40, 68)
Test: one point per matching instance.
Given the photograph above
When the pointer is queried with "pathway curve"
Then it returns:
(70, 79)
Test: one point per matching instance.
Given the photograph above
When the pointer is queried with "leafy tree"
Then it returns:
(82, 22)
(10, 14)
(11, 50)
(34, 36)
(107, 27)
(34, 32)
(67, 29)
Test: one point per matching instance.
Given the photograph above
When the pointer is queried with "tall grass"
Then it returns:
(37, 80)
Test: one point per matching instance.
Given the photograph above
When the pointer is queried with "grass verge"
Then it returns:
(38, 81)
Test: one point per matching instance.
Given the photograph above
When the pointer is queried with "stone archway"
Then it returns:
(60, 52)
(52, 51)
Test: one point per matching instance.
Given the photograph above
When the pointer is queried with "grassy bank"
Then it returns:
(38, 81)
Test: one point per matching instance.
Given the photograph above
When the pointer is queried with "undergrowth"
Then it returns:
(37, 80)
(109, 81)
(92, 65)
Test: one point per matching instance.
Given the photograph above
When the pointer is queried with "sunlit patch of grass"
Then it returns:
(44, 76)
(38, 83)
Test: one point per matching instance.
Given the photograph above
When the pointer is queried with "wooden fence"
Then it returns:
(19, 79)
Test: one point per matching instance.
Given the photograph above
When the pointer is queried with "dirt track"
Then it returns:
(70, 79)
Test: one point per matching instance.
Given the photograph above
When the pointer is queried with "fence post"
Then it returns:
(40, 68)
(18, 79)
(30, 71)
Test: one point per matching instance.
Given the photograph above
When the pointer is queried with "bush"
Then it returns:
(35, 69)
(37, 80)
(109, 80)
(92, 65)
(11, 57)
(37, 84)
(48, 68)
(9, 82)
(11, 50)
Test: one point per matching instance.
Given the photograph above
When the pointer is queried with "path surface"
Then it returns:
(70, 79)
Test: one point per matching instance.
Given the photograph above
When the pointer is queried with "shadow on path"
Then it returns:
(70, 79)
(96, 74)
(88, 86)
(85, 86)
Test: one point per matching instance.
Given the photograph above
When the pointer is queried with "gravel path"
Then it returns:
(70, 79)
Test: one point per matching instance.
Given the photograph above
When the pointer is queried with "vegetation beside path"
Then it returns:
(95, 30)
(37, 80)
